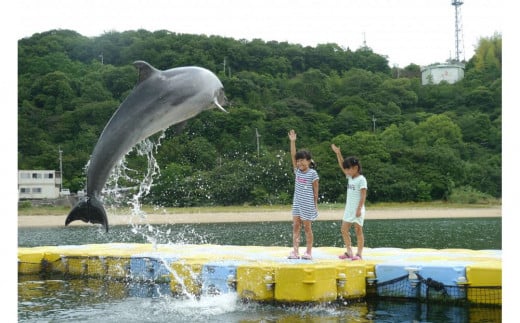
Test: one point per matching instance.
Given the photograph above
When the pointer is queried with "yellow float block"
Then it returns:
(114, 259)
(111, 260)
(117, 267)
(482, 275)
(75, 266)
(96, 266)
(185, 277)
(80, 266)
(30, 260)
(36, 260)
(351, 279)
(74, 259)
(83, 266)
(312, 282)
(255, 281)
(57, 260)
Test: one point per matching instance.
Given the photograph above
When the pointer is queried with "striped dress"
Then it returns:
(303, 201)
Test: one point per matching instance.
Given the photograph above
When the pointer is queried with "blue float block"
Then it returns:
(151, 267)
(440, 281)
(432, 281)
(393, 281)
(219, 277)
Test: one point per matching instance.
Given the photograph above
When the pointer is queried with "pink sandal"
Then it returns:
(306, 256)
(293, 255)
(345, 256)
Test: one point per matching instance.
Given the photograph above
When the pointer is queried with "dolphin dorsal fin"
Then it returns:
(145, 70)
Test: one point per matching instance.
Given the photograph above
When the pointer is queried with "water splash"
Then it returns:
(146, 148)
(207, 306)
(127, 186)
(140, 185)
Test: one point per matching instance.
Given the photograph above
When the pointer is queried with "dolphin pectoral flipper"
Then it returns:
(89, 210)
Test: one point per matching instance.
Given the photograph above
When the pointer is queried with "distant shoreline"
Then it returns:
(263, 216)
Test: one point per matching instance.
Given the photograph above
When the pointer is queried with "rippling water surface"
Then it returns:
(466, 233)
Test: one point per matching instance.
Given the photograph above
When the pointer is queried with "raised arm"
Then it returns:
(339, 157)
(292, 138)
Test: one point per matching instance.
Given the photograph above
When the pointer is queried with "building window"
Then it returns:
(25, 190)
(25, 175)
(48, 175)
(37, 190)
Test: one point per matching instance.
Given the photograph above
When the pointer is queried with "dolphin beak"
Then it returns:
(219, 106)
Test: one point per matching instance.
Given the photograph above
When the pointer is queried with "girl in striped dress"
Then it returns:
(305, 200)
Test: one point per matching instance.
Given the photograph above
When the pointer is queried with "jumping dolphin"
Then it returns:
(159, 100)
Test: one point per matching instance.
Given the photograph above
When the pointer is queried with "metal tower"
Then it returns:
(459, 43)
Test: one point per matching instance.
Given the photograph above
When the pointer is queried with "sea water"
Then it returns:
(463, 233)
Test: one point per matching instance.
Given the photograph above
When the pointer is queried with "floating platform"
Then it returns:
(264, 274)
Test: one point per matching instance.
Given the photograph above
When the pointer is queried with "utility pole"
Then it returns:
(396, 67)
(257, 143)
(228, 68)
(61, 168)
(374, 122)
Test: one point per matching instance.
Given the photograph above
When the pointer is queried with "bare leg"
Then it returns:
(345, 233)
(309, 237)
(360, 239)
(296, 233)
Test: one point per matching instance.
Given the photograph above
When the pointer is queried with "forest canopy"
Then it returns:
(415, 142)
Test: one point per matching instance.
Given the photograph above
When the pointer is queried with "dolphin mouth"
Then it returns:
(219, 106)
(219, 97)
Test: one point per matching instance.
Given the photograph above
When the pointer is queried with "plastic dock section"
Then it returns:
(265, 274)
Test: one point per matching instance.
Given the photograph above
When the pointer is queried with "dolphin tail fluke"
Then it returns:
(89, 210)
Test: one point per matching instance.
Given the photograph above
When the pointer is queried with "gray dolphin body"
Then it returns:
(159, 100)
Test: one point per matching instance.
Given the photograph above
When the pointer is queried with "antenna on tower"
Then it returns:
(365, 47)
(459, 43)
(364, 39)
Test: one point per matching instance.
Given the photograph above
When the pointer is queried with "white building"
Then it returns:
(436, 73)
(39, 184)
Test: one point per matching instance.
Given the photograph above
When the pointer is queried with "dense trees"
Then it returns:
(416, 143)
